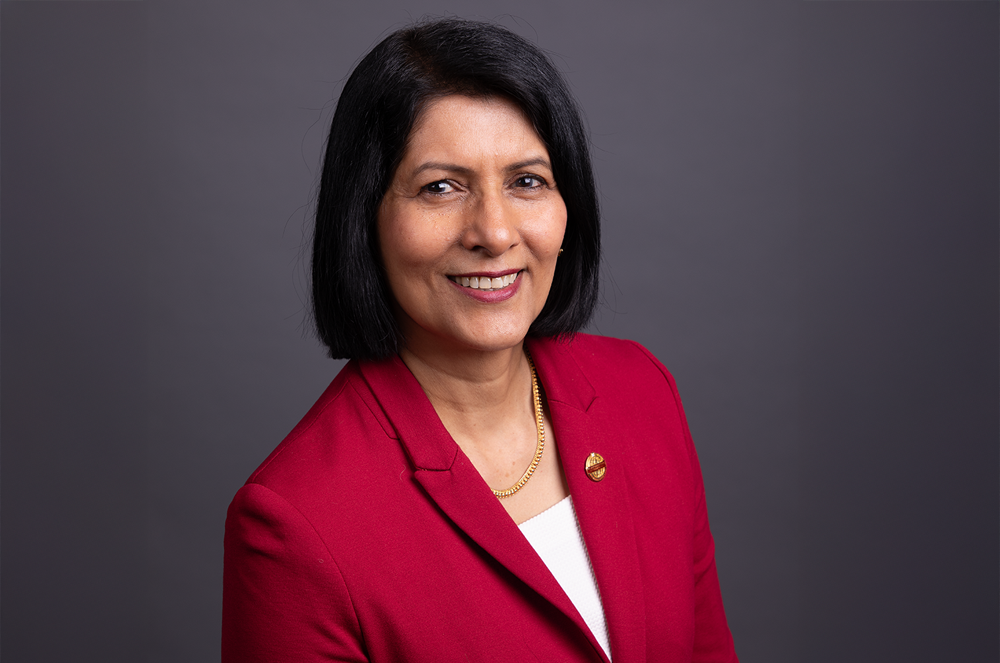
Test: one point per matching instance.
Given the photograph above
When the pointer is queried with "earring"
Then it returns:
(560, 250)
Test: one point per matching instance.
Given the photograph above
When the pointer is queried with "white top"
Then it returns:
(555, 535)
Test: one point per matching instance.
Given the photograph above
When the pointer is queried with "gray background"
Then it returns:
(801, 220)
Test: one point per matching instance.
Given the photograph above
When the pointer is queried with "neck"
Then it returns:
(468, 381)
(477, 394)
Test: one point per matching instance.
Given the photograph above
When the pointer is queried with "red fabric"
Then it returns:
(367, 535)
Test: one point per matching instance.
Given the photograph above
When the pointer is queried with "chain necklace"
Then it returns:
(539, 426)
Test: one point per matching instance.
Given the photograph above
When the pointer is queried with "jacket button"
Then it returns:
(595, 467)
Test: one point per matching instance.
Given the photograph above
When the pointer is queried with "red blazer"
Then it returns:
(368, 535)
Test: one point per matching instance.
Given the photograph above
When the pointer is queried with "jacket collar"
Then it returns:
(602, 508)
(560, 374)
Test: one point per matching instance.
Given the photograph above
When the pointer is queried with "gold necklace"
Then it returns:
(539, 426)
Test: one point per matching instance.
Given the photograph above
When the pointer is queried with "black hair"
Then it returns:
(352, 302)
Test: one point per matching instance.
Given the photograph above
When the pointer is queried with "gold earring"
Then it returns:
(560, 250)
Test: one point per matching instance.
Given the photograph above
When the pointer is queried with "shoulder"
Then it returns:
(344, 434)
(616, 379)
(604, 359)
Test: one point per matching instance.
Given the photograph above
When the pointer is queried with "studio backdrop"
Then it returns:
(800, 209)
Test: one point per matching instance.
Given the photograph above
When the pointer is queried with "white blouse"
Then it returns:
(555, 535)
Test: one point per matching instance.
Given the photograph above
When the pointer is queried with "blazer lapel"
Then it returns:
(450, 479)
(602, 507)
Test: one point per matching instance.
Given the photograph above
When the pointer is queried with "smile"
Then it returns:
(485, 282)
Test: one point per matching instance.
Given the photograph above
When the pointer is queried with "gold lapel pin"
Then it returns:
(595, 467)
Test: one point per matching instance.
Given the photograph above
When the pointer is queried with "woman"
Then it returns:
(480, 482)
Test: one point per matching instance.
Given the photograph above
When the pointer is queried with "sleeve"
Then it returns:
(713, 642)
(283, 597)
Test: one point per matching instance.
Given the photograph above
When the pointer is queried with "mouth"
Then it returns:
(486, 282)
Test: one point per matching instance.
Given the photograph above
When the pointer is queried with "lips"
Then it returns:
(486, 282)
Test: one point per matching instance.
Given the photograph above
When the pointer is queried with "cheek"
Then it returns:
(560, 231)
(411, 247)
(549, 230)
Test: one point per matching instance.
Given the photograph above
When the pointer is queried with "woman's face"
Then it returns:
(470, 227)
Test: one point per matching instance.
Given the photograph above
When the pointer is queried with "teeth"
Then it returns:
(485, 283)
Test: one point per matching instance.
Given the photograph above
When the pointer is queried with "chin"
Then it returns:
(466, 333)
(493, 340)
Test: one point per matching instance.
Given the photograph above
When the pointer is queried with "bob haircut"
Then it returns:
(352, 302)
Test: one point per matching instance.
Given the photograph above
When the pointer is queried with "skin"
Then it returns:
(474, 194)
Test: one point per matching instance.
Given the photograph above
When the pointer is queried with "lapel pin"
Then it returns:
(595, 467)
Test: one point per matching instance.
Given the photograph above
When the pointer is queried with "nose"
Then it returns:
(492, 225)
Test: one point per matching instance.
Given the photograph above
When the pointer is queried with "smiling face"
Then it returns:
(470, 227)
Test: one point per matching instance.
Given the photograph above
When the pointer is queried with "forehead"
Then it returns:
(458, 125)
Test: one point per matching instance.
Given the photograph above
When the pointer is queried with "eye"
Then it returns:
(439, 187)
(529, 182)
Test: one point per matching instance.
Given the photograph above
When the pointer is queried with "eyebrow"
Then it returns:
(455, 168)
